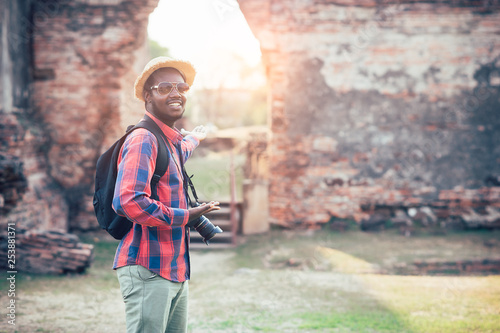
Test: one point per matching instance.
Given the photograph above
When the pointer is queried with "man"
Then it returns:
(152, 260)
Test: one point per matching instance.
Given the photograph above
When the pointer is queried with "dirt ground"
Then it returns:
(220, 296)
(275, 284)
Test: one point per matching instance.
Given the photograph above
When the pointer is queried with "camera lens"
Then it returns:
(206, 229)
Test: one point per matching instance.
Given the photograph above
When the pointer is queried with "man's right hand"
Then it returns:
(202, 209)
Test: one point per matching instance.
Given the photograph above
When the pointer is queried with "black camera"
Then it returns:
(205, 228)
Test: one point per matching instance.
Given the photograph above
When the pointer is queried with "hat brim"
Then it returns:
(184, 67)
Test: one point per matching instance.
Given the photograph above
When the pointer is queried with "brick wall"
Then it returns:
(381, 108)
(373, 107)
(78, 61)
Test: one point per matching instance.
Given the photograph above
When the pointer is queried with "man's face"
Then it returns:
(170, 107)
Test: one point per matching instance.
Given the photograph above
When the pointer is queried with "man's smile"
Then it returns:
(174, 103)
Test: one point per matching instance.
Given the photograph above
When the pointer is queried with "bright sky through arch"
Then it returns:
(212, 34)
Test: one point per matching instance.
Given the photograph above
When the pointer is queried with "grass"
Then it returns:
(212, 176)
(257, 288)
(441, 304)
(388, 303)
(377, 320)
(70, 303)
(384, 249)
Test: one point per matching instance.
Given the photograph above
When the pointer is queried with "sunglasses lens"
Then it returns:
(182, 87)
(164, 88)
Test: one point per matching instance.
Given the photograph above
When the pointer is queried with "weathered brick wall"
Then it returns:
(24, 196)
(80, 59)
(372, 106)
(381, 107)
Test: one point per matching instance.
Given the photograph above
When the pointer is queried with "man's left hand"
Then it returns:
(204, 208)
(199, 132)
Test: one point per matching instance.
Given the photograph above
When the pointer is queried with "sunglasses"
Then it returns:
(164, 88)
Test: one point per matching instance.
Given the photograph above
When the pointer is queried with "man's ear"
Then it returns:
(146, 95)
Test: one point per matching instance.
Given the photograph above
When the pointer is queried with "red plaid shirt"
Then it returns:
(159, 238)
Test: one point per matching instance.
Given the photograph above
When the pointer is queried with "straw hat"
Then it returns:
(184, 67)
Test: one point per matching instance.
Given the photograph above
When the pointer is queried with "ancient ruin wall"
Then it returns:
(68, 64)
(381, 107)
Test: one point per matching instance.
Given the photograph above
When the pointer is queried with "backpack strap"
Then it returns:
(162, 158)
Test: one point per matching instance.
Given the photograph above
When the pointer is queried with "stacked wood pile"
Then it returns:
(51, 252)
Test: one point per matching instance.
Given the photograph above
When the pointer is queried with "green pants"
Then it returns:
(152, 303)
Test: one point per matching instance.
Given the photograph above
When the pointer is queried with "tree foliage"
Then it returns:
(156, 50)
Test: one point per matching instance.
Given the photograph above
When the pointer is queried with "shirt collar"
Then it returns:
(172, 134)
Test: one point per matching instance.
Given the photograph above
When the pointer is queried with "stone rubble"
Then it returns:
(49, 252)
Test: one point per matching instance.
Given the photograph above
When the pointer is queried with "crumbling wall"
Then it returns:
(24, 196)
(65, 67)
(82, 52)
(388, 108)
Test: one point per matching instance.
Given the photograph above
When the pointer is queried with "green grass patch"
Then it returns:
(439, 304)
(374, 321)
(384, 249)
(212, 176)
(104, 249)
(383, 303)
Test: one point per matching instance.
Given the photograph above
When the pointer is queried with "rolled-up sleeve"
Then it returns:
(132, 197)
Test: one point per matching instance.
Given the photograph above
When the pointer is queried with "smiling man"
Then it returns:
(152, 260)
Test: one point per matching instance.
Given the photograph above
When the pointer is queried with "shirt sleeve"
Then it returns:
(132, 197)
(188, 145)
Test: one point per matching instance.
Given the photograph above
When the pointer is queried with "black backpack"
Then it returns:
(105, 179)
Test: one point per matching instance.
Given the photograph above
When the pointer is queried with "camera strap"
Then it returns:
(191, 186)
(187, 183)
